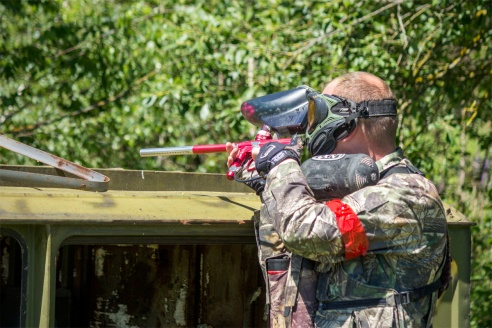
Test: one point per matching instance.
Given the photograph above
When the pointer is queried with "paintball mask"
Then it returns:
(331, 118)
(285, 112)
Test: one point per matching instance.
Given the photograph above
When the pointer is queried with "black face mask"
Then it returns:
(332, 118)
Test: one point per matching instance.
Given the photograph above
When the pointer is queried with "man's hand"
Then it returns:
(274, 153)
(258, 185)
(232, 150)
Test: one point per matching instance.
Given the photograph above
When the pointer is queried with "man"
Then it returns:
(379, 252)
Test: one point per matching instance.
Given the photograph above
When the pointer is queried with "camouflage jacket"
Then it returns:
(396, 242)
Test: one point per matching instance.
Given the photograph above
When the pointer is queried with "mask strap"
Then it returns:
(376, 108)
(353, 116)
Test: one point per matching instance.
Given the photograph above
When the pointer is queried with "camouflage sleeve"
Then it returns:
(306, 227)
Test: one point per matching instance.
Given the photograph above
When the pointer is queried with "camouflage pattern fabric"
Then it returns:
(276, 286)
(295, 287)
(406, 227)
(306, 305)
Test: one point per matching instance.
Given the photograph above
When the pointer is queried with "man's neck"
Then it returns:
(378, 153)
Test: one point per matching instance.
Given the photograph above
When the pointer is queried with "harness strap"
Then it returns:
(297, 265)
(375, 108)
(404, 297)
(291, 286)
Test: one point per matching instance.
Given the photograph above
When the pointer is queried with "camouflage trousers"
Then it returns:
(303, 313)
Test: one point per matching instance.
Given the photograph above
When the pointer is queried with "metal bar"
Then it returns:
(52, 160)
(52, 181)
(95, 181)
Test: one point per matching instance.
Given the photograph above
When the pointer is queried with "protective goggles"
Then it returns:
(325, 109)
(331, 118)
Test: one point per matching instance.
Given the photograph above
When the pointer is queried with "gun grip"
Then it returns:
(233, 169)
(238, 162)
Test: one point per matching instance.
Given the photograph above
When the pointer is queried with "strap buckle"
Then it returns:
(364, 112)
(402, 298)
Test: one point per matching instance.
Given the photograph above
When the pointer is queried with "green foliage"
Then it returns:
(94, 81)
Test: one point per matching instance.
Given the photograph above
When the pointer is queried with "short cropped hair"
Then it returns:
(360, 86)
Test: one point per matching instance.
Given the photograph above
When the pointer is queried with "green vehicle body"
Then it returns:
(158, 249)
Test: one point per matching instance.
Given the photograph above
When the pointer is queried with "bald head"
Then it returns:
(359, 86)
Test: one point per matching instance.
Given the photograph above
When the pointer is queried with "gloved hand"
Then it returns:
(274, 153)
(251, 178)
(258, 185)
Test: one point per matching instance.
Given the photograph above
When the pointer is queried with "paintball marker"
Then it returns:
(282, 113)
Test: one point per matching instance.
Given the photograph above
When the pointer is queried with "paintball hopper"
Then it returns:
(284, 112)
(337, 175)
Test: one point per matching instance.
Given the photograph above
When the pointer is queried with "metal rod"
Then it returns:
(167, 151)
(51, 181)
(93, 180)
(52, 160)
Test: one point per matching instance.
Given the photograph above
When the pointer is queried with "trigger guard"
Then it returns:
(248, 166)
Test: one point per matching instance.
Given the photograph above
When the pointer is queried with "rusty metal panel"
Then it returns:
(159, 286)
(140, 285)
(230, 276)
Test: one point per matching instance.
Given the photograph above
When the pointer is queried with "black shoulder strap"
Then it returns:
(403, 297)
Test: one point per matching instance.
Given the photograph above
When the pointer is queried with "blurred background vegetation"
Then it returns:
(93, 81)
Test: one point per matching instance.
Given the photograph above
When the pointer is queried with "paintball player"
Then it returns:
(377, 257)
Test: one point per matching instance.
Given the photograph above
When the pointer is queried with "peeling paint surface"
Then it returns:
(121, 318)
(152, 285)
(255, 295)
(99, 261)
(166, 306)
(179, 312)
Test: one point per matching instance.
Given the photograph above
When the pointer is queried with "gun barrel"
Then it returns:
(183, 150)
(204, 149)
(166, 151)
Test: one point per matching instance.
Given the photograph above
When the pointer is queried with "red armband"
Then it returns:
(353, 233)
